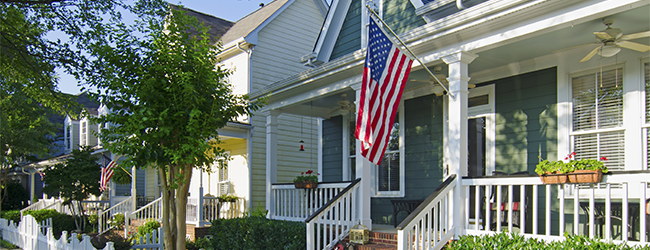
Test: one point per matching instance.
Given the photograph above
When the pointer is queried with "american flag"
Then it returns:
(107, 173)
(384, 75)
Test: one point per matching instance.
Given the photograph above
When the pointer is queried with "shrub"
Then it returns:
(513, 241)
(7, 244)
(13, 215)
(117, 221)
(42, 214)
(147, 228)
(200, 243)
(60, 222)
(257, 233)
(16, 198)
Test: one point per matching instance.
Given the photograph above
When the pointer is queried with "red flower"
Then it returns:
(309, 172)
(566, 158)
(603, 158)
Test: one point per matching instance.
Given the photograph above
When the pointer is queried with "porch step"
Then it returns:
(378, 241)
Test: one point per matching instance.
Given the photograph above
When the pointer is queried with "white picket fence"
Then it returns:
(28, 235)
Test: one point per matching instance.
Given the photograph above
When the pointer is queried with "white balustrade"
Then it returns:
(149, 212)
(332, 220)
(126, 206)
(297, 204)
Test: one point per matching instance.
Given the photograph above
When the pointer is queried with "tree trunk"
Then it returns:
(181, 205)
(167, 230)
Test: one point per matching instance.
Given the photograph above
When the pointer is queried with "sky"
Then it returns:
(231, 10)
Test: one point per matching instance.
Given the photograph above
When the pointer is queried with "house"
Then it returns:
(519, 91)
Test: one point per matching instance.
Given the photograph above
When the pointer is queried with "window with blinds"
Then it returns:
(646, 73)
(598, 117)
(388, 173)
(83, 134)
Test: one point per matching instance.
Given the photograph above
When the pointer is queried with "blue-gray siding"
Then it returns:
(332, 149)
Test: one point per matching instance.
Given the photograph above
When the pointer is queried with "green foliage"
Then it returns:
(257, 233)
(13, 215)
(589, 164)
(228, 198)
(76, 179)
(7, 245)
(307, 176)
(199, 243)
(505, 240)
(41, 215)
(259, 211)
(117, 220)
(569, 165)
(147, 228)
(15, 196)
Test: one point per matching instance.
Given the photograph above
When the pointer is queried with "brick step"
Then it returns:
(377, 241)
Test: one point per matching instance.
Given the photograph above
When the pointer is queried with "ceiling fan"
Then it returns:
(344, 106)
(436, 88)
(611, 40)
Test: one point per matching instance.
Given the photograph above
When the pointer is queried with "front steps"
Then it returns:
(378, 241)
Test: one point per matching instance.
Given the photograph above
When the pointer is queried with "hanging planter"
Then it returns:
(586, 176)
(571, 171)
(306, 180)
(550, 178)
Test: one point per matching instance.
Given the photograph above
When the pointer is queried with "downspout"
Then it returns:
(459, 4)
(31, 182)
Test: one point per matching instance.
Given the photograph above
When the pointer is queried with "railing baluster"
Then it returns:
(510, 214)
(477, 194)
(560, 191)
(488, 191)
(643, 212)
(497, 205)
(592, 224)
(548, 210)
(522, 208)
(576, 205)
(535, 208)
(466, 201)
(608, 212)
(625, 212)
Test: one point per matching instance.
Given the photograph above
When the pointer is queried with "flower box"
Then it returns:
(586, 176)
(305, 184)
(554, 178)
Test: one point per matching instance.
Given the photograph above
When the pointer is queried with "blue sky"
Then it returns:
(231, 10)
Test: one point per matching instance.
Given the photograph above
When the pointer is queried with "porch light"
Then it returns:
(359, 234)
(609, 50)
(302, 145)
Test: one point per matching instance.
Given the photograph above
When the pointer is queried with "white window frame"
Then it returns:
(375, 174)
(83, 133)
(645, 127)
(488, 112)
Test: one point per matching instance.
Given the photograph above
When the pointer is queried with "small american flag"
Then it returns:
(384, 75)
(107, 173)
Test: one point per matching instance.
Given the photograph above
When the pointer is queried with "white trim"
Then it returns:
(487, 111)
(319, 122)
(402, 160)
(331, 29)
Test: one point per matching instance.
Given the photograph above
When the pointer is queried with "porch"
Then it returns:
(615, 210)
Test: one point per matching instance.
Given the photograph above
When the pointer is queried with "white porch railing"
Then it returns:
(214, 209)
(149, 212)
(615, 209)
(40, 204)
(297, 204)
(332, 222)
(191, 210)
(430, 226)
(126, 206)
(94, 207)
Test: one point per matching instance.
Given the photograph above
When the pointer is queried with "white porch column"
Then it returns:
(134, 194)
(363, 171)
(271, 157)
(457, 130)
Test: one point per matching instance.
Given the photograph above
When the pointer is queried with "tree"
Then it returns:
(74, 180)
(169, 97)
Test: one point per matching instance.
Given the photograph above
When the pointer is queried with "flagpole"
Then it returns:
(411, 52)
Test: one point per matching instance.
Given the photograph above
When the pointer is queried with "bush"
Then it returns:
(257, 233)
(16, 198)
(13, 215)
(513, 241)
(200, 243)
(42, 214)
(147, 228)
(117, 221)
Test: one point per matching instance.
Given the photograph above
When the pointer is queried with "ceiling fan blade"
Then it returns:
(418, 80)
(635, 35)
(603, 35)
(333, 111)
(633, 46)
(575, 47)
(590, 55)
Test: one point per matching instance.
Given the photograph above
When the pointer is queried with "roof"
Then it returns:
(217, 26)
(252, 21)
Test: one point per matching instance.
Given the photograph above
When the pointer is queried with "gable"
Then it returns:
(349, 39)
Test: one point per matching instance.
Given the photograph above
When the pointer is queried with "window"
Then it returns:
(646, 130)
(597, 127)
(82, 142)
(389, 174)
(222, 171)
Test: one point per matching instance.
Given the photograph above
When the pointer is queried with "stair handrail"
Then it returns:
(340, 228)
(119, 208)
(143, 214)
(40, 204)
(415, 218)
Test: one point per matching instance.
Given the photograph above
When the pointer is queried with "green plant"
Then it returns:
(60, 222)
(569, 164)
(15, 196)
(307, 176)
(7, 244)
(257, 233)
(228, 198)
(259, 211)
(119, 242)
(199, 243)
(117, 220)
(505, 240)
(147, 228)
(13, 215)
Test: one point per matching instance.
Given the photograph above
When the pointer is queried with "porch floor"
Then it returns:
(381, 228)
